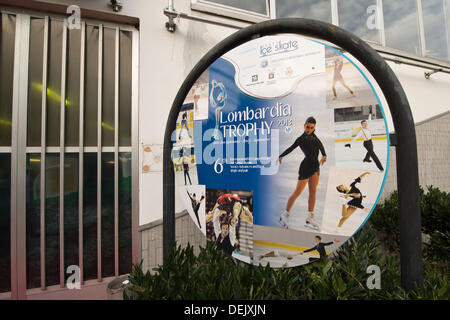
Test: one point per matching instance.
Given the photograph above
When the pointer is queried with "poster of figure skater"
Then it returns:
(291, 248)
(361, 138)
(301, 155)
(183, 159)
(184, 133)
(229, 221)
(306, 153)
(346, 86)
(198, 95)
(351, 195)
(194, 199)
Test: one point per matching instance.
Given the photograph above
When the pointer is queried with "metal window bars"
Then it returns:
(19, 149)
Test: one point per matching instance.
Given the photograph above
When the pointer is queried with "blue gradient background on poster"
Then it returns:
(223, 71)
(270, 192)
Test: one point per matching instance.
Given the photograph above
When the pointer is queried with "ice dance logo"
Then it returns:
(217, 99)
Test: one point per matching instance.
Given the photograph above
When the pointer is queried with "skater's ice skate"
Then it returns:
(284, 219)
(311, 222)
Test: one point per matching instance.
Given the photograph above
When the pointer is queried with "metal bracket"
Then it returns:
(116, 5)
(170, 25)
(172, 15)
(428, 74)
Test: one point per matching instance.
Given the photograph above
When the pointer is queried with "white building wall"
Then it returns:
(433, 154)
(166, 59)
(427, 97)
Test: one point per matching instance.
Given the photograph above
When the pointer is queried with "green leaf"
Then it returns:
(327, 267)
(442, 291)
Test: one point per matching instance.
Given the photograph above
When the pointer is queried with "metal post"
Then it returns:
(18, 158)
(43, 150)
(116, 153)
(169, 185)
(61, 155)
(407, 164)
(81, 153)
(99, 152)
(135, 149)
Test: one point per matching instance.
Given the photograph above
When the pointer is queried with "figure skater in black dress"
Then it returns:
(348, 208)
(308, 172)
(196, 205)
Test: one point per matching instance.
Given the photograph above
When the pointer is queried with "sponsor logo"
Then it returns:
(289, 71)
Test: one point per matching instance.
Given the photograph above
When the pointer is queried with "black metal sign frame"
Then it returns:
(406, 146)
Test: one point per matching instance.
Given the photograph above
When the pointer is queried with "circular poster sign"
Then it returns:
(280, 150)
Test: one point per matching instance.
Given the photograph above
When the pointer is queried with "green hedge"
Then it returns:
(214, 275)
(435, 210)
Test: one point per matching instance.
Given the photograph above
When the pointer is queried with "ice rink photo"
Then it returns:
(351, 195)
(346, 85)
(183, 159)
(307, 153)
(360, 138)
(194, 199)
(291, 248)
(229, 221)
(184, 133)
(198, 95)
